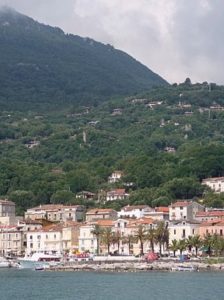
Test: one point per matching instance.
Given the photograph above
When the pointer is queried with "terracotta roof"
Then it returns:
(105, 223)
(216, 222)
(117, 192)
(181, 203)
(141, 221)
(132, 207)
(52, 207)
(163, 209)
(96, 211)
(212, 213)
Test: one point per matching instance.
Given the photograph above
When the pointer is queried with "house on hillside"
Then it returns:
(86, 195)
(215, 183)
(117, 194)
(115, 176)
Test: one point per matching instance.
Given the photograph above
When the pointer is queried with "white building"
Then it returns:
(182, 229)
(134, 211)
(184, 210)
(158, 213)
(117, 194)
(115, 177)
(215, 183)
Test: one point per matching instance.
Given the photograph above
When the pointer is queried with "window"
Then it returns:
(192, 231)
(46, 236)
(221, 232)
(38, 237)
(181, 208)
(31, 245)
(55, 236)
(184, 233)
(31, 237)
(174, 232)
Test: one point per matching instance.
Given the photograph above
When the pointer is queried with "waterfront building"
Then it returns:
(212, 227)
(182, 229)
(87, 239)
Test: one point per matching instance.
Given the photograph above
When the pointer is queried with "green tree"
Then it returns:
(174, 246)
(140, 236)
(107, 238)
(97, 232)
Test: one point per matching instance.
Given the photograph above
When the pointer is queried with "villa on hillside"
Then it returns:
(215, 183)
(117, 194)
(115, 177)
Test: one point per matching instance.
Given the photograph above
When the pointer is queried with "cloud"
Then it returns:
(175, 38)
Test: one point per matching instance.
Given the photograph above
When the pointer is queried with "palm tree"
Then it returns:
(151, 237)
(107, 238)
(208, 242)
(140, 236)
(116, 239)
(162, 235)
(189, 243)
(174, 247)
(196, 243)
(182, 245)
(128, 239)
(218, 244)
(97, 232)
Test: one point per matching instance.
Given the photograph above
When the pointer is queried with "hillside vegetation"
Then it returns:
(42, 67)
(165, 142)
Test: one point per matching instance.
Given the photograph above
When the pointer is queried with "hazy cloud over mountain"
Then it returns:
(175, 38)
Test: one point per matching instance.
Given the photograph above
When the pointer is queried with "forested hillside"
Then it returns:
(42, 67)
(164, 141)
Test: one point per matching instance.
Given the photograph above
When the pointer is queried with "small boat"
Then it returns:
(182, 268)
(37, 259)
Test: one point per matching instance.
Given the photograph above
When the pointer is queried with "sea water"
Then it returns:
(45, 285)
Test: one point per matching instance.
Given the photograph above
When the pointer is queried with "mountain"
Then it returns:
(40, 64)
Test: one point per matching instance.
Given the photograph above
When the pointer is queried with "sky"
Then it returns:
(174, 38)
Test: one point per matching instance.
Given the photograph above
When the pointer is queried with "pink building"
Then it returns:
(212, 227)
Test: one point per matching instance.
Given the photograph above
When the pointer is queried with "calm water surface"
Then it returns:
(33, 285)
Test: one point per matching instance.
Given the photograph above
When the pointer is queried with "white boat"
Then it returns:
(182, 268)
(4, 263)
(38, 259)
